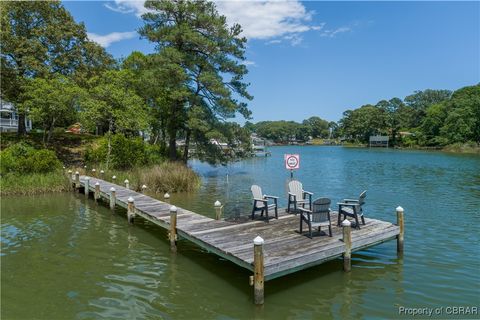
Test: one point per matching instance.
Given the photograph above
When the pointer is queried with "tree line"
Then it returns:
(187, 90)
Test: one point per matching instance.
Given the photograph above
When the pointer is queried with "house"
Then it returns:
(9, 118)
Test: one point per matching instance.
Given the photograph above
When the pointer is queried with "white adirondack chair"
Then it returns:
(260, 202)
(297, 196)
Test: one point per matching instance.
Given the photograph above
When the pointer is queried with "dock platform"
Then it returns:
(285, 250)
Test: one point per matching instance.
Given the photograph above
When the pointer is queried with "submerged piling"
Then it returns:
(77, 181)
(258, 275)
(400, 223)
(97, 191)
(130, 210)
(87, 187)
(166, 197)
(218, 210)
(112, 198)
(173, 229)
(127, 183)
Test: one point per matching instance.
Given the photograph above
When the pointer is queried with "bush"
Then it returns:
(125, 152)
(22, 158)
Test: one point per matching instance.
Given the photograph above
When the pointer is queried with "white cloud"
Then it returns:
(276, 21)
(248, 63)
(107, 39)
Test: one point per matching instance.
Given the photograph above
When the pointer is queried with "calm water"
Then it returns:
(65, 258)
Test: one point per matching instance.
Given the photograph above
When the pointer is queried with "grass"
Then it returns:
(35, 183)
(165, 177)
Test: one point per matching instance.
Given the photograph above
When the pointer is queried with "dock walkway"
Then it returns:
(284, 250)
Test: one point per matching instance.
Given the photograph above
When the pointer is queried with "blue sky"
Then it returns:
(322, 58)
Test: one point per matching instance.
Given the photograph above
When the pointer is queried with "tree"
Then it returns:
(319, 128)
(419, 101)
(51, 102)
(202, 61)
(391, 109)
(40, 39)
(361, 123)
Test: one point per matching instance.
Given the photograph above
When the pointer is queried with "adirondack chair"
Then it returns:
(260, 202)
(352, 208)
(318, 217)
(297, 196)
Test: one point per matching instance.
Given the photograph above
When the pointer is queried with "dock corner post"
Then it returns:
(97, 191)
(86, 190)
(102, 174)
(400, 223)
(127, 183)
(130, 210)
(218, 210)
(258, 275)
(114, 179)
(173, 229)
(166, 197)
(347, 239)
(144, 187)
(77, 181)
(112, 198)
(94, 173)
(70, 178)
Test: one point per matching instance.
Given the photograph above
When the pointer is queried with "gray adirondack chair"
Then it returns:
(260, 202)
(297, 196)
(352, 208)
(319, 216)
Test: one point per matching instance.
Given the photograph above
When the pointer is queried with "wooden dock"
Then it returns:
(284, 250)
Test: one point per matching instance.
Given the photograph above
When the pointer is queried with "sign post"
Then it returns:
(292, 162)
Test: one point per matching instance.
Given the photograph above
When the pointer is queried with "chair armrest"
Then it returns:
(347, 204)
(350, 200)
(262, 200)
(308, 192)
(305, 210)
(292, 195)
(270, 197)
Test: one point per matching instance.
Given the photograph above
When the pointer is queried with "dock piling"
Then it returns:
(258, 282)
(112, 198)
(70, 178)
(114, 179)
(127, 183)
(218, 210)
(94, 173)
(173, 229)
(97, 191)
(347, 240)
(87, 187)
(102, 174)
(400, 223)
(144, 187)
(130, 210)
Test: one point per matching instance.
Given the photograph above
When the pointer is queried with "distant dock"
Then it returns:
(278, 248)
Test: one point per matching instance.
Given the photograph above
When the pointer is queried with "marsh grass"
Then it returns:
(33, 183)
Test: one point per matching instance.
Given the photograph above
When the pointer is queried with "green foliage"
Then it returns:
(124, 152)
(21, 158)
(33, 183)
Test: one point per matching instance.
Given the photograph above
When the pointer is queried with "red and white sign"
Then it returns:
(292, 161)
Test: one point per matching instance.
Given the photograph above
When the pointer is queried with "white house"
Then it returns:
(9, 118)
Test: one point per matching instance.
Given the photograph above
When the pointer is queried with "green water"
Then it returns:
(63, 257)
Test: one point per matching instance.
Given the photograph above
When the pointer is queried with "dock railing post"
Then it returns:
(114, 179)
(347, 240)
(97, 191)
(112, 198)
(218, 210)
(127, 183)
(166, 197)
(70, 177)
(258, 271)
(144, 187)
(87, 187)
(77, 181)
(173, 229)
(400, 223)
(102, 174)
(94, 173)
(130, 210)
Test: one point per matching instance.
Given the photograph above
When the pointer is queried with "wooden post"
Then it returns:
(400, 223)
(77, 181)
(144, 187)
(347, 240)
(130, 210)
(127, 183)
(258, 275)
(102, 174)
(114, 179)
(166, 197)
(218, 210)
(173, 229)
(97, 191)
(112, 198)
(87, 186)
(94, 173)
(70, 177)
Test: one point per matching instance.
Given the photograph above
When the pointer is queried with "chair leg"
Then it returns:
(301, 225)
(295, 207)
(339, 217)
(357, 224)
(330, 229)
(363, 220)
(266, 213)
(288, 206)
(276, 212)
(253, 213)
(310, 230)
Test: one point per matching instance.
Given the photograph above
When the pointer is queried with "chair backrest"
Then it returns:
(321, 208)
(256, 192)
(295, 187)
(361, 199)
